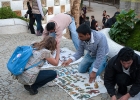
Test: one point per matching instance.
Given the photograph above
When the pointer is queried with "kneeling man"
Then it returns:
(123, 70)
(97, 49)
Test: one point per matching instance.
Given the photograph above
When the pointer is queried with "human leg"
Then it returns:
(38, 20)
(74, 34)
(85, 63)
(31, 25)
(123, 80)
(44, 77)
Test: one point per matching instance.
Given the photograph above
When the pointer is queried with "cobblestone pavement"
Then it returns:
(12, 90)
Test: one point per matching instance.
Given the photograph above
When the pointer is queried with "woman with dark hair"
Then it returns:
(43, 52)
(82, 19)
(95, 26)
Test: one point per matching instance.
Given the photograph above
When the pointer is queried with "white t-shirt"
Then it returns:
(126, 70)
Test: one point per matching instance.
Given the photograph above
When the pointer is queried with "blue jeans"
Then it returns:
(38, 20)
(87, 62)
(44, 77)
(74, 34)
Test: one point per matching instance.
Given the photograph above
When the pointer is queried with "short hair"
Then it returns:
(92, 16)
(104, 11)
(108, 15)
(50, 26)
(87, 17)
(83, 29)
(126, 54)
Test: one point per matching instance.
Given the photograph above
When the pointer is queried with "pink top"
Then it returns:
(61, 21)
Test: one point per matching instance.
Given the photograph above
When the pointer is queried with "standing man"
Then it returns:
(92, 22)
(96, 45)
(58, 23)
(123, 70)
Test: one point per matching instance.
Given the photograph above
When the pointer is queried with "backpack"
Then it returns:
(18, 60)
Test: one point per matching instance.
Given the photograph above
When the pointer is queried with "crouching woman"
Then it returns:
(35, 77)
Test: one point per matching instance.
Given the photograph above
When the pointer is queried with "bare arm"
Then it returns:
(55, 61)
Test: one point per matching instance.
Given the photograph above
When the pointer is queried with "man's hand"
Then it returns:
(125, 97)
(66, 63)
(113, 98)
(92, 77)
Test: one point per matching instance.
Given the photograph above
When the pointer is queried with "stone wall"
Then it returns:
(130, 4)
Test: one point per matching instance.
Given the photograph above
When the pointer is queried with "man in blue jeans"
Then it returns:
(56, 26)
(95, 59)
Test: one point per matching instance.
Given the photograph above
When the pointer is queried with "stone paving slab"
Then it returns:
(12, 90)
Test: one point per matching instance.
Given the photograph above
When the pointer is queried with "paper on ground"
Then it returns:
(68, 76)
(137, 97)
(64, 52)
(81, 84)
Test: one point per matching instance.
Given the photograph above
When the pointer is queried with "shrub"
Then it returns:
(134, 41)
(125, 23)
(6, 12)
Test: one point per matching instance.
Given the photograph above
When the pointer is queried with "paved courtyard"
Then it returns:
(11, 90)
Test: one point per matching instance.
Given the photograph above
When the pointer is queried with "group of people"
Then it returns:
(93, 24)
(107, 21)
(123, 69)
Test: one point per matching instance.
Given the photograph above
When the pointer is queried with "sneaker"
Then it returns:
(28, 88)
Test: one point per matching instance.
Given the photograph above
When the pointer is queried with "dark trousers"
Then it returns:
(31, 24)
(123, 80)
(44, 77)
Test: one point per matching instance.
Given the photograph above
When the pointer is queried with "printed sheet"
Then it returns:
(65, 54)
(77, 85)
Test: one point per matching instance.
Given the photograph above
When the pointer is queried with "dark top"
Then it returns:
(92, 24)
(82, 20)
(87, 22)
(114, 67)
(110, 22)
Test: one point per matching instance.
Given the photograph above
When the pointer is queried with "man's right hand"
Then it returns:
(113, 98)
(66, 63)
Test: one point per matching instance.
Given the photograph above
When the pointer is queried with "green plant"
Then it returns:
(6, 12)
(134, 41)
(125, 23)
(81, 3)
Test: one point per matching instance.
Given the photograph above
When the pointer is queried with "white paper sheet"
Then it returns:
(69, 83)
(64, 52)
(137, 97)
